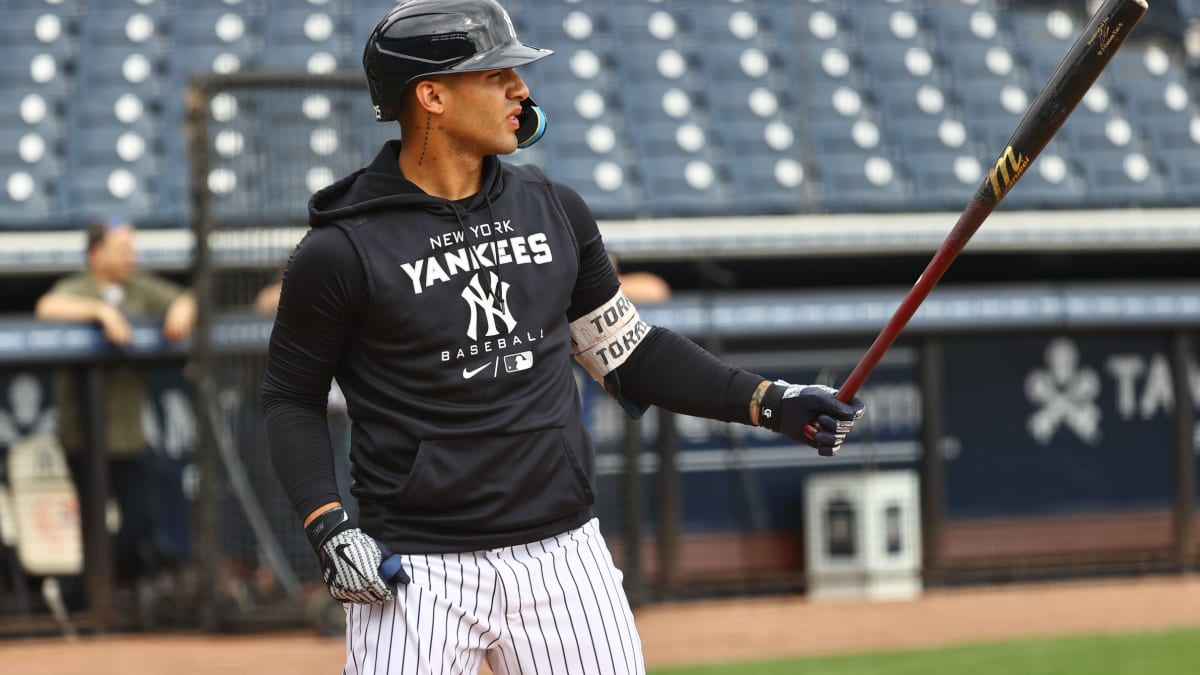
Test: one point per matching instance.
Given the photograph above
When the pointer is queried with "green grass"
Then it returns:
(1175, 652)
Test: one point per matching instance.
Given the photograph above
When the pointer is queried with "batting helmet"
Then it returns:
(431, 37)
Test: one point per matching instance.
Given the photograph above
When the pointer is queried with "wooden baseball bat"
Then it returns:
(1092, 51)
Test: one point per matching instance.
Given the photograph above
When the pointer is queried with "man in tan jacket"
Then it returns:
(110, 292)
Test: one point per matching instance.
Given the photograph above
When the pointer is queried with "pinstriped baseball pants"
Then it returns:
(549, 607)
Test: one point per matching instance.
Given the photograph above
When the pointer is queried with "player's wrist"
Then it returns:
(769, 405)
(325, 525)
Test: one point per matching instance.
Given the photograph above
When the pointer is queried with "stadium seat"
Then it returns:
(111, 189)
(881, 23)
(769, 183)
(1123, 179)
(654, 24)
(739, 62)
(896, 61)
(1182, 167)
(1055, 26)
(687, 186)
(232, 26)
(26, 149)
(846, 135)
(959, 25)
(49, 28)
(24, 66)
(770, 139)
(609, 188)
(945, 180)
(862, 181)
(126, 66)
(28, 200)
(725, 20)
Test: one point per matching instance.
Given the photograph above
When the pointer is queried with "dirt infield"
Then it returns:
(694, 632)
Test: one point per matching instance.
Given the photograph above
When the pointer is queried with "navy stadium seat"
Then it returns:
(28, 198)
(111, 189)
(972, 26)
(945, 180)
(862, 181)
(768, 183)
(689, 186)
(758, 138)
(608, 187)
(1182, 167)
(41, 25)
(1124, 179)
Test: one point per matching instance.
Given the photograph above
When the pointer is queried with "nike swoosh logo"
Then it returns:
(340, 551)
(468, 374)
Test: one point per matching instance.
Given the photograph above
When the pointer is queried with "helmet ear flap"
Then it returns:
(533, 124)
(384, 112)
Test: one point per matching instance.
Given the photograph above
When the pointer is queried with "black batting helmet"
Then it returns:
(430, 37)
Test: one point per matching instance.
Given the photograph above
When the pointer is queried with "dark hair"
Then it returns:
(98, 229)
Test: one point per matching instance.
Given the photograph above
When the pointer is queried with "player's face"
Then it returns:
(483, 109)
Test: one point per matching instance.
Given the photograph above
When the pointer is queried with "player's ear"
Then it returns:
(427, 96)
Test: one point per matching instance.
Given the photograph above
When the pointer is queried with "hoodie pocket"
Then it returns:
(506, 483)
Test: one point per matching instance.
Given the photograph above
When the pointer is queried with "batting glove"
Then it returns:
(352, 563)
(790, 408)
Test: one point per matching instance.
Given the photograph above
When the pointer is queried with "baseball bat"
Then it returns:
(1092, 51)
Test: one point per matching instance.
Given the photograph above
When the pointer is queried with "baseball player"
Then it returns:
(448, 291)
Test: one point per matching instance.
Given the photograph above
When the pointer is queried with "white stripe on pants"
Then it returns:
(552, 606)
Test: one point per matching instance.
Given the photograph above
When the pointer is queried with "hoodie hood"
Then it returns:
(380, 186)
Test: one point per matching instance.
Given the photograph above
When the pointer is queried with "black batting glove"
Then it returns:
(811, 414)
(351, 560)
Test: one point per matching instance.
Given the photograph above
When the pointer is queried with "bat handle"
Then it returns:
(852, 383)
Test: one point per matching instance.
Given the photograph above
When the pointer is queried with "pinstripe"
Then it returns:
(404, 616)
(378, 637)
(579, 595)
(570, 618)
(521, 606)
(608, 640)
(449, 605)
(536, 603)
(351, 624)
(432, 611)
(550, 605)
(417, 627)
(613, 591)
(504, 614)
(475, 613)
(395, 611)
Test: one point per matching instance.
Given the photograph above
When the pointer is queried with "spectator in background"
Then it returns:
(110, 292)
(642, 287)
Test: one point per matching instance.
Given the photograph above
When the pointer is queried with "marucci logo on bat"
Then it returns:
(1007, 170)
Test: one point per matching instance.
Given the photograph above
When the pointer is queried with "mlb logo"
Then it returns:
(518, 361)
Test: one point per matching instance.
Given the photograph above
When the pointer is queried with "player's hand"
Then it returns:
(790, 408)
(351, 560)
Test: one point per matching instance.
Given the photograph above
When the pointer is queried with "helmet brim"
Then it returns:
(508, 55)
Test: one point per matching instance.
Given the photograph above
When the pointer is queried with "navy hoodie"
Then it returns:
(454, 355)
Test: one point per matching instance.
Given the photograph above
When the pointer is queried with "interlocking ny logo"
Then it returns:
(492, 302)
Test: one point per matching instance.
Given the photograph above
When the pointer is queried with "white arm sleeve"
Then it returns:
(604, 338)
